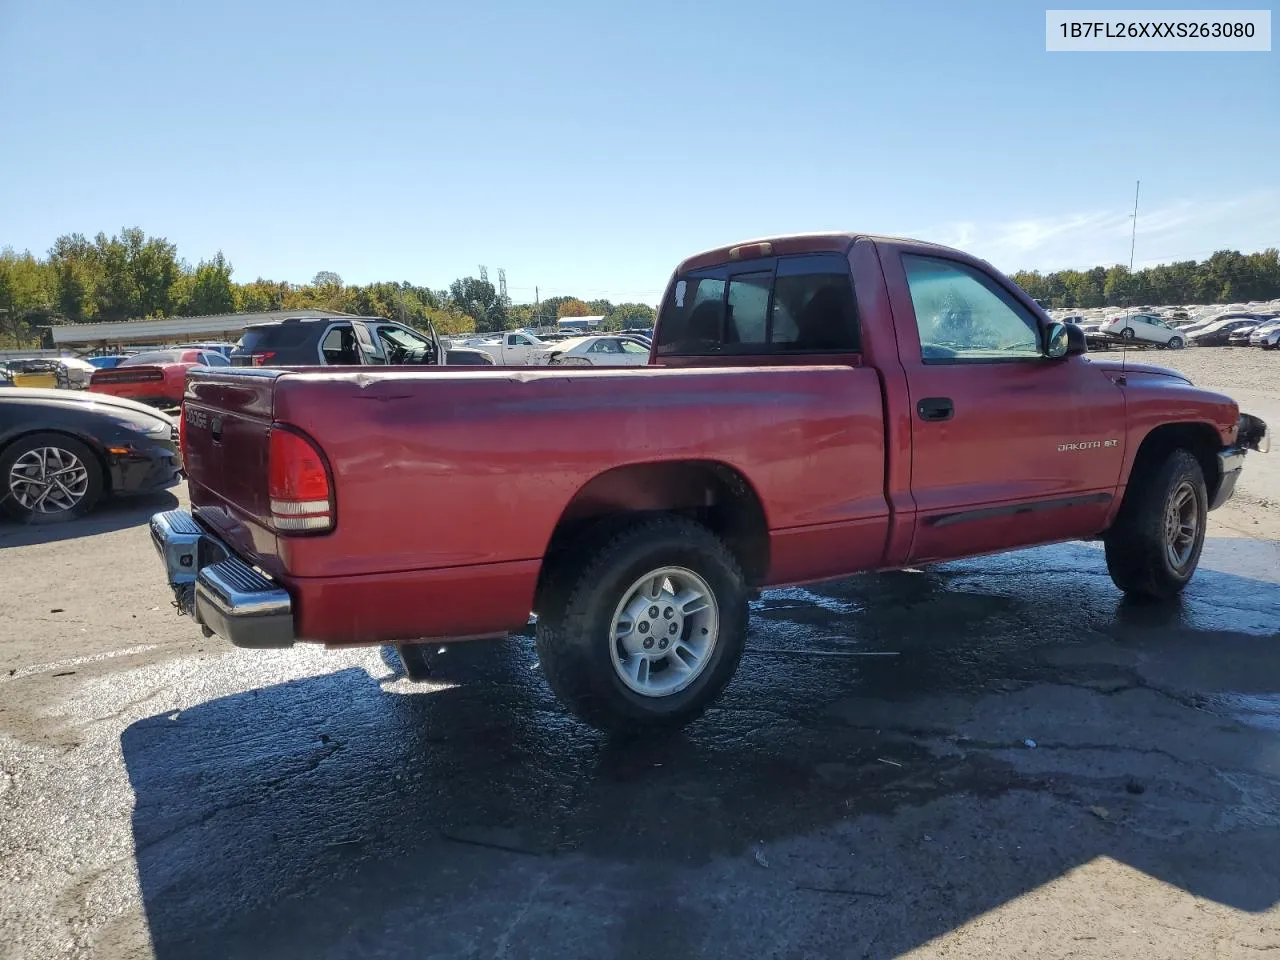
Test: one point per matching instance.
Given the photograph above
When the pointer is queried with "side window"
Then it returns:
(964, 315)
(339, 347)
(402, 346)
(211, 359)
(630, 346)
(813, 306)
(745, 318)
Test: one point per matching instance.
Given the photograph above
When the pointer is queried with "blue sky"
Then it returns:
(587, 147)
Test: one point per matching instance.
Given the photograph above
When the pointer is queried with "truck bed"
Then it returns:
(449, 480)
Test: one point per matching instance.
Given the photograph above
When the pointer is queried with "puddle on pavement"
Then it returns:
(1260, 710)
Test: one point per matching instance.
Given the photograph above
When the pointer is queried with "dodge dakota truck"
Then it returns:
(814, 406)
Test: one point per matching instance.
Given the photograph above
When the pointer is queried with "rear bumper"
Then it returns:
(220, 591)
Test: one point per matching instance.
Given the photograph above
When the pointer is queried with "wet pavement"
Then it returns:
(993, 756)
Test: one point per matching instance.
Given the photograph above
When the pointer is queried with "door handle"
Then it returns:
(936, 409)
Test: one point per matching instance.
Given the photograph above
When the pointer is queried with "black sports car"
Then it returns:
(62, 451)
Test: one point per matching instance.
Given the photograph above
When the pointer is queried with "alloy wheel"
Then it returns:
(48, 480)
(664, 631)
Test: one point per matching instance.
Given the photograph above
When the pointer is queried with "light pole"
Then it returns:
(1133, 238)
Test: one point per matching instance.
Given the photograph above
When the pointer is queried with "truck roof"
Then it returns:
(790, 244)
(292, 320)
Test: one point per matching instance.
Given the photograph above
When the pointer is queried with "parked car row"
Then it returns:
(1233, 329)
(526, 349)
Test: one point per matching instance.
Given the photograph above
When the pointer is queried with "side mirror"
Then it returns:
(1064, 340)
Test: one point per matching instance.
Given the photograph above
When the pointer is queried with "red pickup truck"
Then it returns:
(815, 406)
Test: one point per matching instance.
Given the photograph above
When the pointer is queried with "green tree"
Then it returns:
(480, 300)
(572, 307)
(26, 296)
(631, 316)
(210, 289)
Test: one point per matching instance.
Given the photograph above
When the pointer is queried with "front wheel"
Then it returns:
(1154, 546)
(647, 628)
(49, 477)
(1175, 343)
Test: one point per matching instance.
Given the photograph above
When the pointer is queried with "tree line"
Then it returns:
(131, 276)
(1226, 277)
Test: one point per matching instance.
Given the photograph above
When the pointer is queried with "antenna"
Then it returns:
(1133, 238)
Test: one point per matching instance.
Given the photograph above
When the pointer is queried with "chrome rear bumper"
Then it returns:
(223, 593)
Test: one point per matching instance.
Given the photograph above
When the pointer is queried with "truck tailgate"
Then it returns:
(226, 421)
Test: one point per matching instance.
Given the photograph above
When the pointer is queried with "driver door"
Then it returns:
(1008, 447)
(518, 349)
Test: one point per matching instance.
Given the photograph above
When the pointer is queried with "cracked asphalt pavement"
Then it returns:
(995, 757)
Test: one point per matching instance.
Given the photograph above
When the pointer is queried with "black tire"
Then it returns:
(1137, 545)
(1127, 333)
(1175, 343)
(93, 482)
(578, 604)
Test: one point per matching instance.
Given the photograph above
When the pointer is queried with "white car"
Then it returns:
(1266, 335)
(599, 351)
(1146, 328)
(515, 348)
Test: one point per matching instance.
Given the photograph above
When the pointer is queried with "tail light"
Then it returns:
(300, 489)
(262, 359)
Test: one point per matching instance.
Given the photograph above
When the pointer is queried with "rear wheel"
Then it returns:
(48, 477)
(647, 628)
(1128, 333)
(1154, 545)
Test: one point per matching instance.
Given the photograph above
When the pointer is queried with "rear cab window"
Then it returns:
(277, 336)
(782, 305)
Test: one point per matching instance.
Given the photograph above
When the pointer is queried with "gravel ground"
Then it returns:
(995, 757)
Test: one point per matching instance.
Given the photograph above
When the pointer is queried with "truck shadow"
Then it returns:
(898, 755)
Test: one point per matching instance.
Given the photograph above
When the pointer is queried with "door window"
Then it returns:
(339, 346)
(630, 346)
(963, 315)
(401, 346)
